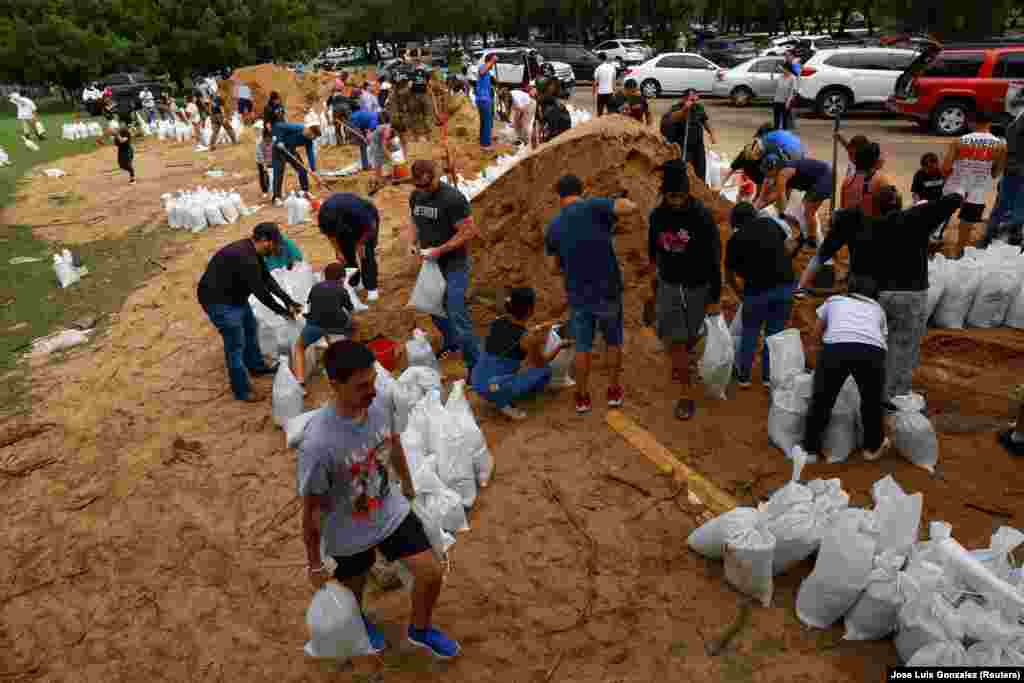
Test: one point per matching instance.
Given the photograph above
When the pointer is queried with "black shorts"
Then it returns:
(407, 540)
(820, 191)
(971, 213)
(602, 102)
(244, 105)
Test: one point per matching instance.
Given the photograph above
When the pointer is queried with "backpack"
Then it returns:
(556, 118)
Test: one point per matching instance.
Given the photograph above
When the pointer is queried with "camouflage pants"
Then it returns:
(421, 113)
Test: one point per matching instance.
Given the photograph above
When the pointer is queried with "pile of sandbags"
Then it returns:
(501, 165)
(275, 333)
(982, 289)
(195, 210)
(80, 130)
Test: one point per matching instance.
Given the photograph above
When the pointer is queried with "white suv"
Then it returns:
(837, 80)
(626, 50)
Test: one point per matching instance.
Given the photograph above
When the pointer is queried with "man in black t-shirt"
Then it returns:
(757, 253)
(422, 106)
(685, 125)
(218, 118)
(443, 228)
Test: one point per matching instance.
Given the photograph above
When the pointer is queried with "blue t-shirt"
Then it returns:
(483, 86)
(365, 120)
(581, 237)
(784, 141)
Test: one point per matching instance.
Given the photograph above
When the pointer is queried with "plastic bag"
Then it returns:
(787, 416)
(719, 353)
(736, 329)
(789, 515)
(336, 624)
(947, 653)
(448, 439)
(840, 574)
(938, 275)
(986, 623)
(996, 292)
(996, 558)
(459, 408)
(709, 539)
(288, 394)
(995, 654)
(875, 614)
(428, 293)
(843, 433)
(296, 427)
(563, 363)
(65, 271)
(419, 352)
(899, 520)
(967, 569)
(749, 552)
(786, 356)
(914, 437)
(961, 287)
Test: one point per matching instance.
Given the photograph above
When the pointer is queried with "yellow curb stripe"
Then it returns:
(716, 500)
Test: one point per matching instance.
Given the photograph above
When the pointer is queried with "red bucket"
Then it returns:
(386, 352)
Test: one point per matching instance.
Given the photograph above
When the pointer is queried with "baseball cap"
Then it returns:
(569, 186)
(267, 232)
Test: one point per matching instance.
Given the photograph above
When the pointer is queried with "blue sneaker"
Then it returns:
(440, 645)
(377, 641)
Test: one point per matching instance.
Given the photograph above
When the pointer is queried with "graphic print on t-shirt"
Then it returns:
(972, 167)
(430, 212)
(674, 242)
(367, 468)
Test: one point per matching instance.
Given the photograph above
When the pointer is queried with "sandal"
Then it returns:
(447, 352)
(686, 408)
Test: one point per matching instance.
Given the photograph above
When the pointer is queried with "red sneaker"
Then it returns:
(615, 395)
(583, 404)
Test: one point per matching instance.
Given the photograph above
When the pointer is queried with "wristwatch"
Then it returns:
(312, 571)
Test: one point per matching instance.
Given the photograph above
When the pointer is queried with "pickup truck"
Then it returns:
(126, 88)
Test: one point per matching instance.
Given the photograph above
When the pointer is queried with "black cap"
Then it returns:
(267, 232)
(569, 186)
(330, 307)
(675, 177)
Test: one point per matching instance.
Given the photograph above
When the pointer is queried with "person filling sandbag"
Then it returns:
(497, 376)
(351, 224)
(330, 314)
(233, 274)
(853, 330)
(346, 470)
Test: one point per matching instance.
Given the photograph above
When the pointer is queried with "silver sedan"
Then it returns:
(754, 79)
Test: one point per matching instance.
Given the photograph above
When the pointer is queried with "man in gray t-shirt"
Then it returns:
(355, 486)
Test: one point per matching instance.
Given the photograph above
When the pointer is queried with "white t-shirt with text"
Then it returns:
(604, 76)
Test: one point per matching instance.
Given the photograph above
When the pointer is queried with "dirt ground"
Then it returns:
(152, 528)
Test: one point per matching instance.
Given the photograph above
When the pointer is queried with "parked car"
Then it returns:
(754, 79)
(835, 81)
(943, 86)
(582, 60)
(625, 50)
(511, 67)
(126, 87)
(729, 52)
(796, 43)
(674, 72)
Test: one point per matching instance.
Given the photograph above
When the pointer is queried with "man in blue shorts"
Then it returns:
(580, 246)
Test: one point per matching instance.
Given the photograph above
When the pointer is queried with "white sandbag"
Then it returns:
(419, 352)
(996, 558)
(884, 488)
(336, 625)
(948, 653)
(458, 407)
(448, 439)
(986, 622)
(353, 295)
(961, 287)
(228, 210)
(562, 364)
(996, 292)
(65, 271)
(709, 539)
(736, 329)
(924, 621)
(787, 416)
(213, 214)
(875, 614)
(843, 433)
(914, 437)
(296, 427)
(899, 520)
(288, 394)
(840, 574)
(789, 515)
(786, 356)
(717, 361)
(913, 402)
(958, 562)
(749, 552)
(428, 293)
(441, 540)
(996, 654)
(438, 501)
(938, 276)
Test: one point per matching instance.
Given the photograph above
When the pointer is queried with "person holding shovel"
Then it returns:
(352, 224)
(287, 138)
(363, 123)
(685, 125)
(219, 120)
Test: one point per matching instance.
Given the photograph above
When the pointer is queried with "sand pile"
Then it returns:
(296, 91)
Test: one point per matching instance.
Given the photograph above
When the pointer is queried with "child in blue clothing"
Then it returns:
(287, 138)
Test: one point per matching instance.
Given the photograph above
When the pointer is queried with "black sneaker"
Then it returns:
(686, 408)
(1012, 447)
(810, 242)
(265, 370)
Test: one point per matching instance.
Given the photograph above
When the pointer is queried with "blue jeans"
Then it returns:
(364, 156)
(237, 325)
(457, 328)
(1009, 206)
(486, 108)
(769, 308)
(499, 380)
(607, 318)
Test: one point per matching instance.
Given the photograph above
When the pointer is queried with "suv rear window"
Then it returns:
(1010, 65)
(956, 65)
(841, 61)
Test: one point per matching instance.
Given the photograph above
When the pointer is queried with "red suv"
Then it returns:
(944, 85)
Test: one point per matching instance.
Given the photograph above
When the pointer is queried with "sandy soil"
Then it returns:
(152, 530)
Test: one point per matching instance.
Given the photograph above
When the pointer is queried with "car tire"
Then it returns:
(833, 102)
(741, 96)
(650, 89)
(951, 118)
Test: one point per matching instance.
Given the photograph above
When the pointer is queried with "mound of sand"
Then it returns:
(296, 91)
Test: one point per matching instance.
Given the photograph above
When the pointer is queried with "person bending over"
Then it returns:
(330, 315)
(810, 176)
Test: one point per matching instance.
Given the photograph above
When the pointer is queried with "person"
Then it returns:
(851, 146)
(27, 115)
(125, 152)
(531, 68)
(1012, 439)
(928, 180)
(352, 226)
(353, 503)
(330, 315)
(810, 176)
(92, 93)
(853, 331)
(368, 101)
(1009, 206)
(264, 158)
(748, 165)
(604, 82)
(148, 105)
(785, 96)
(524, 111)
(422, 106)
(783, 143)
(385, 91)
(218, 117)
(684, 125)
(285, 255)
(971, 165)
(274, 110)
(580, 248)
(235, 273)
(243, 94)
(287, 138)
(758, 253)
(891, 249)
(554, 116)
(456, 62)
(166, 109)
(364, 122)
(485, 99)
(444, 228)
(382, 140)
(338, 103)
(685, 253)
(862, 189)
(634, 103)
(398, 102)
(497, 376)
